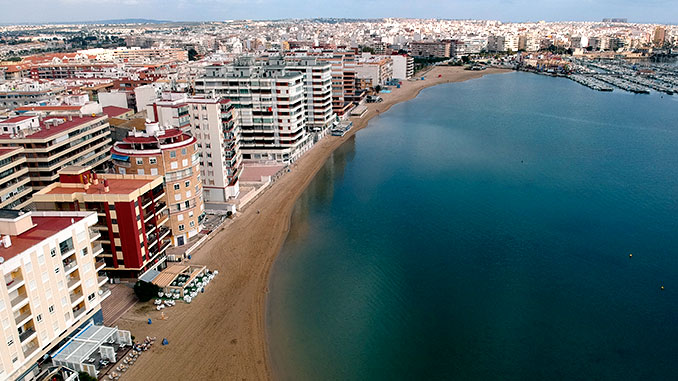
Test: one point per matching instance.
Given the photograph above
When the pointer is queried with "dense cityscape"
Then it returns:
(127, 146)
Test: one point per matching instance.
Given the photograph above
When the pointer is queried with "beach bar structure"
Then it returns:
(95, 342)
(178, 278)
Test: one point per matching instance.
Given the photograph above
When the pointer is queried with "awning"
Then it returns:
(120, 157)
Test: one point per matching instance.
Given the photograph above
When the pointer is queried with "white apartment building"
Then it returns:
(271, 106)
(317, 90)
(213, 123)
(50, 284)
(374, 70)
(403, 67)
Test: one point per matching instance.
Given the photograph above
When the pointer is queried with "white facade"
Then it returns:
(403, 67)
(50, 288)
(117, 99)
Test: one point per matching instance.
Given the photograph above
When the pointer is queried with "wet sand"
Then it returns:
(222, 333)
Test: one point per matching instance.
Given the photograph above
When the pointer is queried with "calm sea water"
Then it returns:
(483, 231)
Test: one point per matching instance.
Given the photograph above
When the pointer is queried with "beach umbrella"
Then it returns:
(165, 342)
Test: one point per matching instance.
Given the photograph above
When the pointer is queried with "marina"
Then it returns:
(639, 78)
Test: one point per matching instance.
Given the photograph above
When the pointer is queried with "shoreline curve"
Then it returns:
(223, 334)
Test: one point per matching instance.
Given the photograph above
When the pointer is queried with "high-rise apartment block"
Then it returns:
(175, 155)
(50, 284)
(57, 142)
(213, 122)
(271, 106)
(15, 190)
(132, 216)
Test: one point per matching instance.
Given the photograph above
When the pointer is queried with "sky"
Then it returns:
(37, 11)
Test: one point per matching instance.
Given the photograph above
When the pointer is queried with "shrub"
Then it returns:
(145, 290)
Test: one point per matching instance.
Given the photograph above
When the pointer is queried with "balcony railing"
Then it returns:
(78, 313)
(21, 319)
(70, 266)
(26, 334)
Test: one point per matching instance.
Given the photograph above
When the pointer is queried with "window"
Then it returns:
(28, 266)
(192, 224)
(183, 151)
(53, 252)
(181, 228)
(38, 318)
(177, 186)
(56, 270)
(61, 284)
(154, 171)
(140, 160)
(187, 184)
(111, 206)
(66, 246)
(45, 277)
(51, 309)
(152, 160)
(141, 171)
(173, 154)
(187, 204)
(10, 342)
(67, 316)
(91, 297)
(32, 285)
(64, 301)
(83, 252)
(5, 323)
(48, 293)
(41, 259)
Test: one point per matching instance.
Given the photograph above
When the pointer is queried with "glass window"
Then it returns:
(177, 186)
(181, 227)
(173, 154)
(183, 151)
(153, 160)
(140, 160)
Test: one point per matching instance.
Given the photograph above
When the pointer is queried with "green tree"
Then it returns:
(84, 376)
(192, 54)
(145, 290)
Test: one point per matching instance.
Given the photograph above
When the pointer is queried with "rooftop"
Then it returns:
(43, 228)
(114, 111)
(117, 186)
(17, 119)
(47, 132)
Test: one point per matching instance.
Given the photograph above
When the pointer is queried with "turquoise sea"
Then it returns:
(482, 231)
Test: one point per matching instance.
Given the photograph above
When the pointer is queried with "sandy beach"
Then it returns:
(222, 334)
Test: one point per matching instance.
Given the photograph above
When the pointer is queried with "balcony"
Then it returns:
(27, 335)
(94, 235)
(100, 264)
(104, 292)
(76, 296)
(97, 249)
(14, 281)
(101, 280)
(23, 318)
(78, 312)
(73, 282)
(18, 300)
(70, 267)
(31, 348)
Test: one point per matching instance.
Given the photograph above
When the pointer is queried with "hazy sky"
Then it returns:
(19, 11)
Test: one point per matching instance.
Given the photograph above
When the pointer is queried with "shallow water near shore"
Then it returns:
(483, 231)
